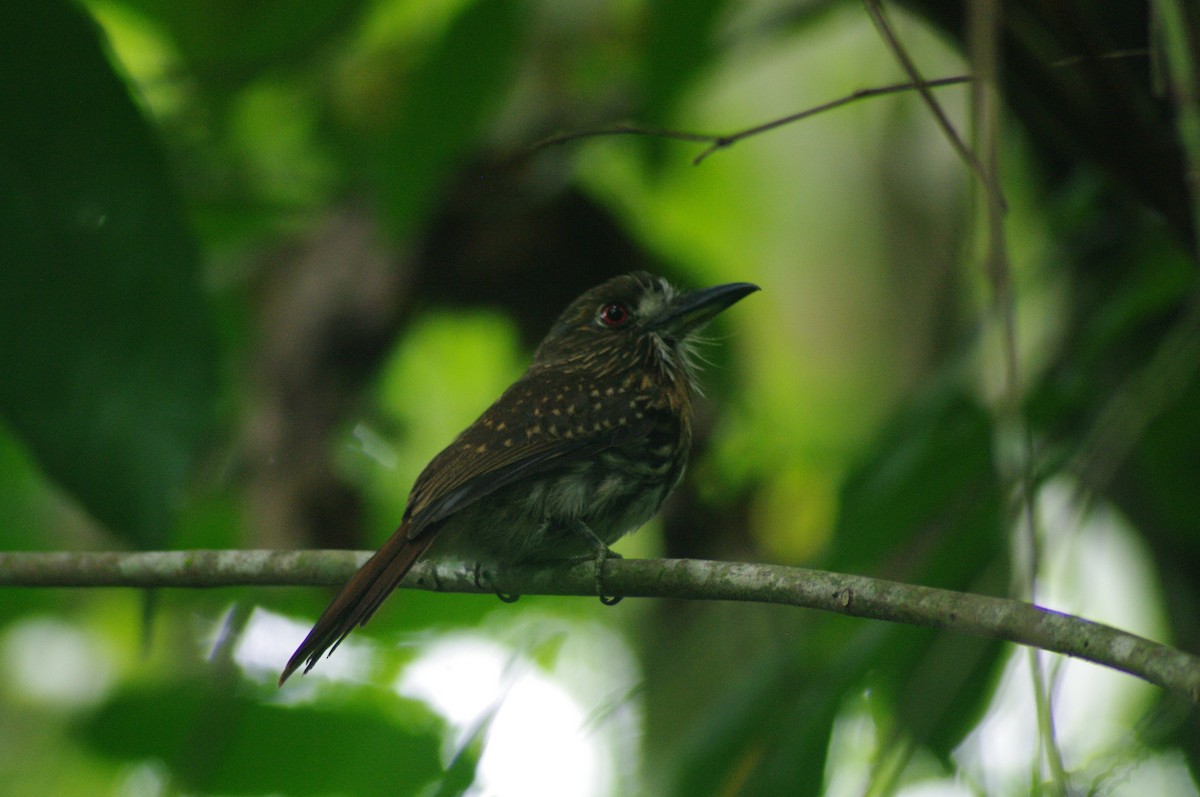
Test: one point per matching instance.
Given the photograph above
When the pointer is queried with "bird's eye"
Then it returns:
(614, 314)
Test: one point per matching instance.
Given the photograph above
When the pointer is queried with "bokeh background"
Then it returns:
(259, 261)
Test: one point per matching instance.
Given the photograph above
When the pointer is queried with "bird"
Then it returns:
(582, 449)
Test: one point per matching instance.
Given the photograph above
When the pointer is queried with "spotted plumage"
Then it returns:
(579, 451)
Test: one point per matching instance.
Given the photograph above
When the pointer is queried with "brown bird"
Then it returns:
(581, 450)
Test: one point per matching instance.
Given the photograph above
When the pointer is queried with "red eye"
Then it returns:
(614, 315)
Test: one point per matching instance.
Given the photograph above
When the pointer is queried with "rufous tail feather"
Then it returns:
(359, 599)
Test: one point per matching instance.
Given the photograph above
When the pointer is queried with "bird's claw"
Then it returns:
(483, 580)
(602, 554)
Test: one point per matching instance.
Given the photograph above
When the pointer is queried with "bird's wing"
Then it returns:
(532, 428)
(453, 491)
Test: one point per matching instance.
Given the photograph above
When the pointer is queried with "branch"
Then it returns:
(689, 579)
(719, 141)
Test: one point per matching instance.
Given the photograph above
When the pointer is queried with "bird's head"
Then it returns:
(633, 319)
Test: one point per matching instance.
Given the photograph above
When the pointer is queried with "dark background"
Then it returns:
(260, 261)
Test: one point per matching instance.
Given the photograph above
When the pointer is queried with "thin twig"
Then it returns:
(984, 48)
(624, 130)
(875, 9)
(722, 142)
(719, 141)
(688, 579)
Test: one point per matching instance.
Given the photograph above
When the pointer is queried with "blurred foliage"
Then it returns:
(260, 261)
(85, 185)
(215, 740)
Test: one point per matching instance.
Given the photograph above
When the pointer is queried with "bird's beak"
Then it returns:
(690, 311)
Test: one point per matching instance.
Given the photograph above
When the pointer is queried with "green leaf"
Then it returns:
(464, 767)
(948, 688)
(228, 42)
(679, 44)
(768, 736)
(924, 506)
(452, 94)
(221, 742)
(927, 505)
(109, 361)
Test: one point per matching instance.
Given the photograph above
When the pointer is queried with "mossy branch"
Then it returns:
(687, 579)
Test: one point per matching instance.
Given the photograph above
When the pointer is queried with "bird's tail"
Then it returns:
(359, 599)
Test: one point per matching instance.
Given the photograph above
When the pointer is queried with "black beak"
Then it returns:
(689, 312)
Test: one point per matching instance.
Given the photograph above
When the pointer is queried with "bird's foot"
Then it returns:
(601, 554)
(483, 580)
